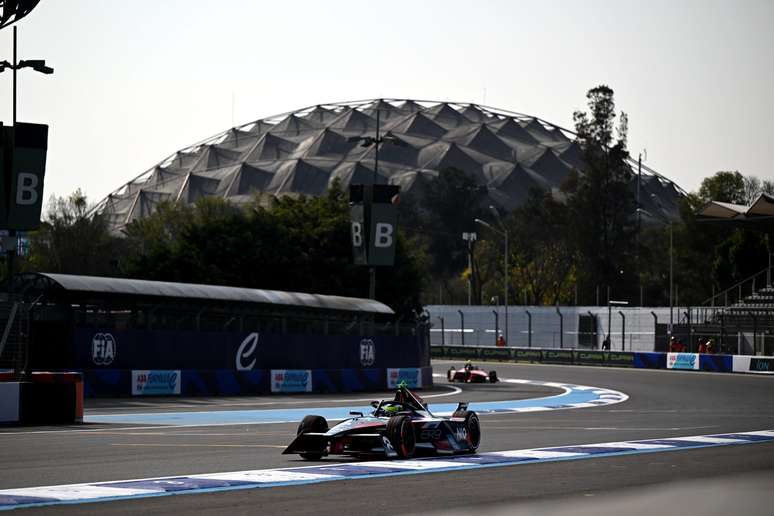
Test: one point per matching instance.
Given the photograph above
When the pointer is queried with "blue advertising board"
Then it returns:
(241, 351)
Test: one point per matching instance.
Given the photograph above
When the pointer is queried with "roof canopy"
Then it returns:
(145, 288)
(304, 151)
(761, 209)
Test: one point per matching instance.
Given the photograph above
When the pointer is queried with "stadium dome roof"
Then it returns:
(303, 151)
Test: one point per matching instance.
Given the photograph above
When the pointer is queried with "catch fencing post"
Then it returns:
(561, 327)
(497, 325)
(462, 326)
(623, 331)
(529, 328)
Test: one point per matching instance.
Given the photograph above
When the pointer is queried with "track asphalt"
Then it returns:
(661, 404)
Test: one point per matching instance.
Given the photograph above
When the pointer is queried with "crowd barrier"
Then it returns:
(41, 398)
(230, 382)
(635, 359)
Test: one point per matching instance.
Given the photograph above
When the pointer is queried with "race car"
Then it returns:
(471, 374)
(399, 428)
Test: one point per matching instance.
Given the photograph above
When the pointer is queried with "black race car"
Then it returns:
(399, 428)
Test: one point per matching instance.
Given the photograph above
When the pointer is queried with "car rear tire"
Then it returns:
(312, 424)
(472, 428)
(450, 374)
(493, 377)
(400, 432)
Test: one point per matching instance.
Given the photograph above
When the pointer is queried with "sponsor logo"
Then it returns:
(388, 449)
(412, 376)
(291, 380)
(430, 435)
(528, 355)
(103, 349)
(367, 352)
(245, 351)
(620, 358)
(561, 355)
(762, 364)
(461, 434)
(496, 353)
(590, 356)
(155, 382)
(683, 361)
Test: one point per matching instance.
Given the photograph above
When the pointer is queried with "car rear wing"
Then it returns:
(463, 405)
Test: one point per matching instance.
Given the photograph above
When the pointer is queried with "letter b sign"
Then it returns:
(26, 189)
(383, 235)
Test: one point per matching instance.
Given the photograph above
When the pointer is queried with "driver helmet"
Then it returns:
(391, 408)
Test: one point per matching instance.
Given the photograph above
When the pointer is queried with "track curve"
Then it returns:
(661, 404)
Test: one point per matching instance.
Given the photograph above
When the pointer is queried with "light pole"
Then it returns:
(470, 238)
(671, 264)
(503, 233)
(39, 65)
(367, 141)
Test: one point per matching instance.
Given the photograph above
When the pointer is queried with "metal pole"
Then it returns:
(372, 269)
(623, 331)
(11, 253)
(497, 325)
(671, 277)
(561, 328)
(639, 226)
(470, 276)
(462, 326)
(443, 331)
(609, 317)
(505, 289)
(529, 329)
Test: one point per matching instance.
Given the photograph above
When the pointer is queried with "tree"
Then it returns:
(73, 242)
(601, 203)
(724, 186)
(298, 244)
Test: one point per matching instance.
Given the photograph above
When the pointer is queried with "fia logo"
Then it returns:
(246, 349)
(103, 349)
(367, 352)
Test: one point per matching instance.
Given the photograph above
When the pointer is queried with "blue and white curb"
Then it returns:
(267, 478)
(574, 396)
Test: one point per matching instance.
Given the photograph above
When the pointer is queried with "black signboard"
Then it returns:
(460, 352)
(557, 356)
(24, 168)
(616, 358)
(496, 353)
(590, 357)
(528, 355)
(762, 364)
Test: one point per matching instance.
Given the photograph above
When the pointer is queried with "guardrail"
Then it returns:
(636, 359)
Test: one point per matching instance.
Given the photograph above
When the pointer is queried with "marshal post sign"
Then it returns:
(23, 158)
(373, 223)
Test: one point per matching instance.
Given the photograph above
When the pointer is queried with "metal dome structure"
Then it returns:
(302, 152)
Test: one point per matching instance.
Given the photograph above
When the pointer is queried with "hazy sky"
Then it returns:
(136, 81)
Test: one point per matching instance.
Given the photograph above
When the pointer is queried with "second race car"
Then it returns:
(399, 428)
(471, 374)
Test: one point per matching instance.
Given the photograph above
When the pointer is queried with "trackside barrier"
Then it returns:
(42, 398)
(639, 360)
(230, 382)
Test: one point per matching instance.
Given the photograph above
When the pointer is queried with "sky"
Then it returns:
(136, 81)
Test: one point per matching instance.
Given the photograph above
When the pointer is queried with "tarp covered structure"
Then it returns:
(304, 151)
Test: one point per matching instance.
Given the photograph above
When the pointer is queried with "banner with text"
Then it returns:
(291, 380)
(155, 383)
